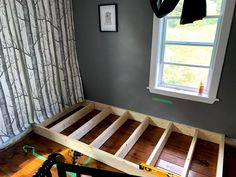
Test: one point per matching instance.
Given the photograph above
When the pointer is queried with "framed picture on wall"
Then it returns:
(108, 17)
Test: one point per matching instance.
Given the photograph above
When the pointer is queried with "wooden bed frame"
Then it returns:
(117, 161)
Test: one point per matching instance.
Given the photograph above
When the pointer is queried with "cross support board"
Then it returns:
(117, 161)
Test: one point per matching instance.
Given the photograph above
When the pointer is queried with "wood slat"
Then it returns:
(99, 129)
(220, 161)
(101, 139)
(116, 162)
(72, 119)
(79, 133)
(61, 114)
(169, 127)
(160, 145)
(190, 155)
(80, 122)
(145, 145)
(126, 147)
(162, 123)
(113, 144)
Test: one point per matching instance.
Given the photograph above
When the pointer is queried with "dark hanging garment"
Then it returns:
(162, 8)
(193, 10)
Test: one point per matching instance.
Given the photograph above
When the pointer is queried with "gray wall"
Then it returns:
(115, 68)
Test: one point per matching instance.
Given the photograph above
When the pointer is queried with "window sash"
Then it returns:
(180, 87)
(207, 44)
(218, 54)
(165, 42)
(165, 22)
(188, 65)
(161, 82)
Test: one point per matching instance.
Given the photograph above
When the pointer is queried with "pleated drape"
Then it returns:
(39, 70)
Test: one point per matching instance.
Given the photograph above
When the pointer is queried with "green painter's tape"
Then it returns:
(71, 174)
(162, 100)
(87, 162)
(25, 149)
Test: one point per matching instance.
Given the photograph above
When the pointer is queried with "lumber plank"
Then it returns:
(109, 159)
(72, 119)
(84, 129)
(220, 161)
(183, 129)
(99, 129)
(190, 155)
(126, 147)
(162, 123)
(61, 114)
(145, 145)
(160, 145)
(176, 127)
(133, 115)
(102, 138)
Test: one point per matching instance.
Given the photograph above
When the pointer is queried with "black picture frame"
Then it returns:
(108, 19)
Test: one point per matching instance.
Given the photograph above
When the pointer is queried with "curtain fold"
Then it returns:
(192, 10)
(39, 70)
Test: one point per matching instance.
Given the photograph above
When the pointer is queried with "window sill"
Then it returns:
(204, 98)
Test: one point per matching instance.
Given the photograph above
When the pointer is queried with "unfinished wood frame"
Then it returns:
(126, 147)
(160, 145)
(117, 161)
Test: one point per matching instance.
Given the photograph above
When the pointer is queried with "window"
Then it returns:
(187, 56)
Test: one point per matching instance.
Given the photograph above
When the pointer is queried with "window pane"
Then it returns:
(184, 76)
(199, 31)
(213, 7)
(195, 55)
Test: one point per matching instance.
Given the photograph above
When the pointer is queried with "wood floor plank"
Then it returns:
(97, 130)
(15, 163)
(120, 136)
(80, 122)
(195, 174)
(145, 145)
(172, 159)
(128, 145)
(205, 158)
(174, 153)
(65, 116)
(89, 125)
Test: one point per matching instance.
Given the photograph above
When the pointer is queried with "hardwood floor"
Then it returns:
(145, 145)
(174, 153)
(204, 159)
(120, 136)
(96, 131)
(79, 123)
(63, 117)
(14, 162)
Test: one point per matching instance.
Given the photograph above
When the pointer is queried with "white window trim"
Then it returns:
(222, 36)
